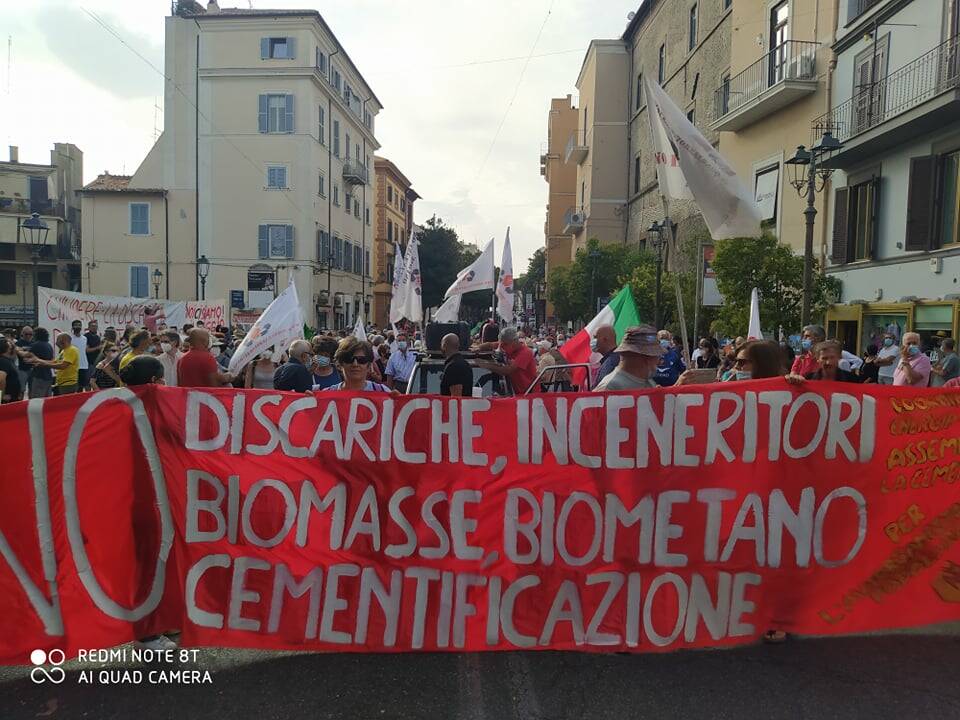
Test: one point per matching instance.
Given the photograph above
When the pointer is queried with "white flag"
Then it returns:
(412, 305)
(754, 332)
(359, 331)
(450, 310)
(396, 297)
(280, 324)
(478, 276)
(690, 167)
(504, 290)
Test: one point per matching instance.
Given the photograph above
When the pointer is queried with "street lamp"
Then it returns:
(594, 256)
(809, 175)
(36, 231)
(541, 298)
(655, 239)
(157, 279)
(203, 269)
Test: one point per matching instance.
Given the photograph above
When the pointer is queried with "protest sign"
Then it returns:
(641, 521)
(58, 308)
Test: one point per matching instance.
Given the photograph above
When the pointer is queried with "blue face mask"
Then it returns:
(887, 342)
(322, 361)
(665, 344)
(914, 350)
(806, 344)
(401, 344)
(744, 375)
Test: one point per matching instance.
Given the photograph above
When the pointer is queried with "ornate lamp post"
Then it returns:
(203, 269)
(157, 279)
(36, 232)
(656, 240)
(809, 175)
(594, 256)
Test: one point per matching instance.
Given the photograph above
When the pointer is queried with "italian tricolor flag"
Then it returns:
(621, 312)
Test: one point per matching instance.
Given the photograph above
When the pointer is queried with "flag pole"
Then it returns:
(681, 317)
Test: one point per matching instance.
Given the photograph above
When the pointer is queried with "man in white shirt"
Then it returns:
(169, 352)
(79, 341)
(400, 365)
(887, 359)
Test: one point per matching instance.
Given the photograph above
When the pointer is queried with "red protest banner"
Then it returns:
(645, 521)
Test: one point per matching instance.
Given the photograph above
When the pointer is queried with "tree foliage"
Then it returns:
(570, 286)
(742, 264)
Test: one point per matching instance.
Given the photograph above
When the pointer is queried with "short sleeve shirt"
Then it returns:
(526, 368)
(80, 343)
(456, 371)
(400, 365)
(43, 350)
(886, 352)
(194, 369)
(805, 364)
(69, 375)
(950, 365)
(920, 364)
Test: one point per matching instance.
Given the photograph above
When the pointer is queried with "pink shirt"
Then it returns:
(804, 364)
(920, 364)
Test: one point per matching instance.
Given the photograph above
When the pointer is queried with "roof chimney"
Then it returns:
(212, 7)
(14, 153)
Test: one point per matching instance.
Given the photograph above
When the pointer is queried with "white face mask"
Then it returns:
(215, 351)
(166, 347)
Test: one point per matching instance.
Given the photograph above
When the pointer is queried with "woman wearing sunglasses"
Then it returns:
(353, 358)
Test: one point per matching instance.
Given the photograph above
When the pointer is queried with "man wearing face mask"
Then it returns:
(294, 375)
(806, 362)
(671, 363)
(914, 367)
(887, 360)
(400, 365)
(169, 352)
(640, 351)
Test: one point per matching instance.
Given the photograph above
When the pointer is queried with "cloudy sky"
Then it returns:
(459, 119)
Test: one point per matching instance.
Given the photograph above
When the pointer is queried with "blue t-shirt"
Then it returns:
(669, 369)
(322, 382)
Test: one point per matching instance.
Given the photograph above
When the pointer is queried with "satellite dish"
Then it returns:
(631, 15)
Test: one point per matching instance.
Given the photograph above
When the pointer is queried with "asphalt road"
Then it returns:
(899, 676)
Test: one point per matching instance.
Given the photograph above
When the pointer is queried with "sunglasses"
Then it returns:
(740, 361)
(357, 360)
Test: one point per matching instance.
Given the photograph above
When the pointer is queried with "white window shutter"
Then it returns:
(289, 243)
(264, 48)
(263, 124)
(288, 115)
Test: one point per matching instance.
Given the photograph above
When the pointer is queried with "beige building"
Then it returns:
(263, 168)
(776, 84)
(49, 190)
(598, 147)
(394, 205)
(561, 178)
(685, 47)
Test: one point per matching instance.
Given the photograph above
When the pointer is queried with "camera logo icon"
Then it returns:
(56, 674)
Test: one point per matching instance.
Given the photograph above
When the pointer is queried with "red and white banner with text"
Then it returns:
(657, 520)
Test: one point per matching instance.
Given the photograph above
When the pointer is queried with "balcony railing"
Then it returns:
(573, 220)
(931, 74)
(577, 147)
(791, 60)
(354, 172)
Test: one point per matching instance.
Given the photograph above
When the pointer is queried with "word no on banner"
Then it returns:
(642, 521)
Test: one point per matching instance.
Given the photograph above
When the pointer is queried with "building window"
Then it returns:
(358, 259)
(855, 226)
(336, 194)
(139, 220)
(321, 61)
(346, 145)
(692, 28)
(639, 92)
(636, 174)
(661, 64)
(389, 194)
(336, 138)
(275, 241)
(403, 204)
(276, 177)
(692, 115)
(337, 252)
(39, 194)
(725, 94)
(347, 197)
(139, 281)
(335, 77)
(277, 48)
(727, 4)
(368, 119)
(275, 114)
(356, 209)
(950, 198)
(391, 259)
(366, 212)
(389, 230)
(8, 282)
(347, 264)
(322, 185)
(322, 126)
(323, 246)
(766, 189)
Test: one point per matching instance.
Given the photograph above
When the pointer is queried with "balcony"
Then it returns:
(917, 98)
(354, 172)
(573, 221)
(577, 148)
(782, 76)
